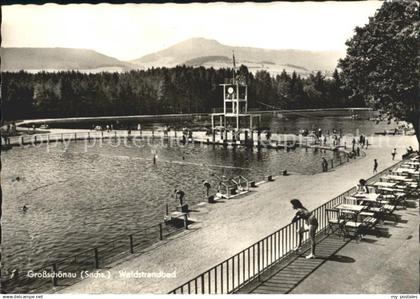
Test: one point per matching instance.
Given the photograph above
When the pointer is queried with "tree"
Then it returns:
(382, 62)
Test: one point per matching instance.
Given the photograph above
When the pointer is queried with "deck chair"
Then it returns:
(385, 210)
(386, 198)
(351, 227)
(389, 211)
(368, 224)
(354, 230)
(400, 200)
(335, 222)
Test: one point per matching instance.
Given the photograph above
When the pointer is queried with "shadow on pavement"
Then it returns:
(339, 258)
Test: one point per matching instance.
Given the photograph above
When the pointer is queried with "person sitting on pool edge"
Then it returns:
(310, 225)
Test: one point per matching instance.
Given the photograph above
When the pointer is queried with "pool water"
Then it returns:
(79, 198)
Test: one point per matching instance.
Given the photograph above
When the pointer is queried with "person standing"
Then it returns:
(179, 194)
(324, 165)
(375, 166)
(353, 142)
(310, 225)
(207, 185)
(394, 152)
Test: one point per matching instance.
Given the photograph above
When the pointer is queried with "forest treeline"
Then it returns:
(180, 89)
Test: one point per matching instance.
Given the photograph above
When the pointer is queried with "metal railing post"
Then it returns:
(195, 286)
(215, 280)
(54, 277)
(96, 257)
(258, 259)
(131, 244)
(221, 278)
(186, 221)
(160, 231)
(233, 273)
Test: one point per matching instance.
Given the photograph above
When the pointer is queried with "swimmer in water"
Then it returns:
(14, 275)
(24, 208)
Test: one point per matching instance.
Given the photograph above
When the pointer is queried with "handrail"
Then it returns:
(32, 139)
(88, 258)
(258, 257)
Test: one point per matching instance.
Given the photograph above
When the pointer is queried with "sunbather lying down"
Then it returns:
(220, 195)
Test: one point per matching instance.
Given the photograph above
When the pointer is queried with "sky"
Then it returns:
(130, 31)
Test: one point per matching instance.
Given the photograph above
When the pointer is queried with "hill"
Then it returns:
(211, 53)
(57, 59)
(192, 52)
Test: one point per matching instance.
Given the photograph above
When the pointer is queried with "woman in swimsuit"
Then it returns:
(310, 225)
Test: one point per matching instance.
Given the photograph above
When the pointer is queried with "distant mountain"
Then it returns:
(58, 59)
(192, 52)
(211, 53)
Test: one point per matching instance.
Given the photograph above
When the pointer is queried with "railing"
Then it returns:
(87, 260)
(227, 186)
(33, 139)
(241, 183)
(242, 268)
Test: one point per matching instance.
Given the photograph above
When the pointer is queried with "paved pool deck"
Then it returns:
(388, 264)
(225, 228)
(383, 262)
